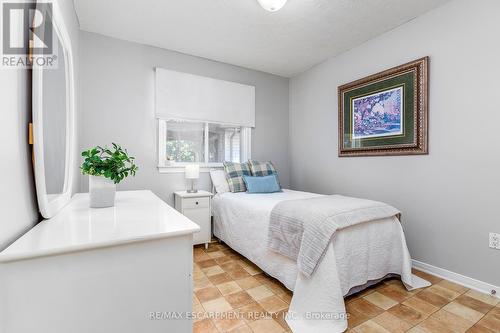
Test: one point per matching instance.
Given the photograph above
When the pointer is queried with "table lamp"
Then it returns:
(192, 172)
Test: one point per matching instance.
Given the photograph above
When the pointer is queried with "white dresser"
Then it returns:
(121, 269)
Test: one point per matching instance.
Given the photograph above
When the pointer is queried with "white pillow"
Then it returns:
(219, 181)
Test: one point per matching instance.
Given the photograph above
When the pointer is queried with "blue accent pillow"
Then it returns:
(264, 184)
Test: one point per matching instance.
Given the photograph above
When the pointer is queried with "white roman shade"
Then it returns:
(192, 97)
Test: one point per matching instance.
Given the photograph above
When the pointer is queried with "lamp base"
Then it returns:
(192, 188)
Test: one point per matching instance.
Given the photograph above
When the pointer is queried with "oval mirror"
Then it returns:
(53, 114)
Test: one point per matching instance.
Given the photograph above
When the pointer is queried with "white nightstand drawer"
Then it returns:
(195, 203)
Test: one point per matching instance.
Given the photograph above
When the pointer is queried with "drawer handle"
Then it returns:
(196, 202)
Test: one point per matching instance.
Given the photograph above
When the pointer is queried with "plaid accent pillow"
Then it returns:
(260, 169)
(234, 175)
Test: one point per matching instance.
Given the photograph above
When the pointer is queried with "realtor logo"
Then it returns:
(27, 34)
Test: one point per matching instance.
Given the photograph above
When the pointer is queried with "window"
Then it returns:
(209, 144)
(224, 143)
(185, 141)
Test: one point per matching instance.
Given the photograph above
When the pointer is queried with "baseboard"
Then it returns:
(457, 278)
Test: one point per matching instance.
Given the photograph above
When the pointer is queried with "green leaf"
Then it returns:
(114, 164)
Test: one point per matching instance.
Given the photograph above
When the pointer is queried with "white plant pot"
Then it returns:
(102, 192)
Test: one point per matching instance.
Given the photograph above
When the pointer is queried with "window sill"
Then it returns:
(180, 168)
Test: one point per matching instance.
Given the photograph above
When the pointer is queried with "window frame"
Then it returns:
(205, 166)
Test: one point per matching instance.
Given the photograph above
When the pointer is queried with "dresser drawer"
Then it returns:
(188, 203)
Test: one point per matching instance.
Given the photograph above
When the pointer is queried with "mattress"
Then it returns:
(356, 257)
(241, 220)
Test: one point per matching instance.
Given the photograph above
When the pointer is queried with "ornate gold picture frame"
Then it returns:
(385, 113)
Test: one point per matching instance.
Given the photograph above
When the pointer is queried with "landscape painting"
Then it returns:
(385, 113)
(378, 114)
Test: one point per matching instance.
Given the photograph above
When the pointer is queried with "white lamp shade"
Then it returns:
(272, 5)
(192, 171)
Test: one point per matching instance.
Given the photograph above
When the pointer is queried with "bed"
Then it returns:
(356, 257)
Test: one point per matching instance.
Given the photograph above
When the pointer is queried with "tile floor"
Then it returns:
(225, 282)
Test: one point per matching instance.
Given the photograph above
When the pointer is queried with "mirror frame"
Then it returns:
(49, 208)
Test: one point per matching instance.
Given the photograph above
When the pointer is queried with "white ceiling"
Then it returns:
(239, 32)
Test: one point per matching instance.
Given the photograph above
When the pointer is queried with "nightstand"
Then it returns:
(197, 208)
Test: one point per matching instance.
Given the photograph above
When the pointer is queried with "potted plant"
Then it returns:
(106, 168)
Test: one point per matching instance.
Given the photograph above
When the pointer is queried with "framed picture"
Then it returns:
(385, 113)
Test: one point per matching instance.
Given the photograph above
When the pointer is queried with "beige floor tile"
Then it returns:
(495, 311)
(363, 306)
(224, 281)
(285, 297)
(479, 329)
(491, 321)
(218, 305)
(432, 298)
(431, 278)
(266, 326)
(228, 288)
(206, 263)
(392, 323)
(238, 274)
(483, 297)
(463, 311)
(201, 283)
(242, 329)
(416, 329)
(204, 326)
(407, 314)
(198, 274)
(380, 300)
(273, 304)
(474, 303)
(239, 299)
(260, 292)
(431, 325)
(448, 294)
(453, 286)
(224, 260)
(421, 306)
(216, 254)
(252, 312)
(356, 319)
(228, 321)
(395, 292)
(199, 312)
(201, 257)
(248, 283)
(370, 327)
(452, 321)
(212, 270)
(231, 266)
(275, 286)
(198, 249)
(212, 247)
(219, 278)
(208, 294)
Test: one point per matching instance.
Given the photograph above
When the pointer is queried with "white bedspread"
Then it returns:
(357, 255)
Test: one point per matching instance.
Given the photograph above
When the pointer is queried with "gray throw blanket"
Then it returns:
(302, 229)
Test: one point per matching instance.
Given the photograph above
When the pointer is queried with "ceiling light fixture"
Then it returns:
(272, 5)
